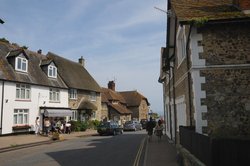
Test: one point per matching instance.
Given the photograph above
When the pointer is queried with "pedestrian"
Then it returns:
(68, 127)
(46, 126)
(37, 126)
(159, 129)
(150, 128)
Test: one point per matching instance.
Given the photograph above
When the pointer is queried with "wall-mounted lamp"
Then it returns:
(6, 100)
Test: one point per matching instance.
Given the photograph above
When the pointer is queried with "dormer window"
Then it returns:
(21, 64)
(52, 71)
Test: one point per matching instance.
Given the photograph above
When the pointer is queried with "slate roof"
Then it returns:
(133, 98)
(74, 74)
(35, 73)
(187, 10)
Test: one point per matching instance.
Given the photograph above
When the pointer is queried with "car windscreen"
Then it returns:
(105, 125)
(129, 122)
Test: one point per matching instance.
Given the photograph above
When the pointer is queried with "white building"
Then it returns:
(29, 87)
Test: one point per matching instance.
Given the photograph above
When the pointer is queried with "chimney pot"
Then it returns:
(111, 85)
(81, 61)
(39, 51)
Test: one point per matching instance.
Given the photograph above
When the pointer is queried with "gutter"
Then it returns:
(189, 74)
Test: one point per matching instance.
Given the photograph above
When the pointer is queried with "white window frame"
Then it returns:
(93, 96)
(21, 64)
(74, 115)
(23, 92)
(54, 95)
(73, 93)
(52, 71)
(20, 117)
(181, 44)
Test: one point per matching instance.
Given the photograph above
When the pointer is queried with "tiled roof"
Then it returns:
(120, 108)
(87, 105)
(74, 74)
(113, 95)
(187, 10)
(133, 98)
(35, 74)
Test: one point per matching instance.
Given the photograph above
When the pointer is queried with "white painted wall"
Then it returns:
(39, 97)
(181, 112)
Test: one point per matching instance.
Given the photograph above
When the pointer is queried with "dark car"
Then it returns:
(109, 128)
(144, 123)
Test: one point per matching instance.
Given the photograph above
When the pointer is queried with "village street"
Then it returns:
(119, 150)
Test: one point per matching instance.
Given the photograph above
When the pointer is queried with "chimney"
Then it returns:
(111, 85)
(81, 61)
(39, 51)
(244, 5)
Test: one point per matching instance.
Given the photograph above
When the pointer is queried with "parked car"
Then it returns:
(132, 125)
(109, 128)
(144, 123)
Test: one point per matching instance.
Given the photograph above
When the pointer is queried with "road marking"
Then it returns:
(138, 155)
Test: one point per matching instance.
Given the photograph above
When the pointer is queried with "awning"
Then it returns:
(57, 112)
(86, 105)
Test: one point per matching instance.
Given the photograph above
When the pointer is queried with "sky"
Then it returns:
(120, 40)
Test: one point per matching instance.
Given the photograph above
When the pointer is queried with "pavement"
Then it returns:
(157, 152)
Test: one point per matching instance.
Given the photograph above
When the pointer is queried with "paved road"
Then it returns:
(120, 150)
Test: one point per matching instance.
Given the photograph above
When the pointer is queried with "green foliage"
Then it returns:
(79, 126)
(200, 21)
(93, 124)
(25, 47)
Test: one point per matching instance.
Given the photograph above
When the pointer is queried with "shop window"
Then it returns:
(74, 115)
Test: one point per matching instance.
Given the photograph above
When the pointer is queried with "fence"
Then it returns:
(215, 152)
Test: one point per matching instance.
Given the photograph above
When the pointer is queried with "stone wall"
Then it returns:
(227, 54)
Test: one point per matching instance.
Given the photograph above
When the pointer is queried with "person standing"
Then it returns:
(46, 126)
(37, 125)
(150, 127)
(159, 129)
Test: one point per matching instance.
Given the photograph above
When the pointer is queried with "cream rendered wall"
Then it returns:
(39, 97)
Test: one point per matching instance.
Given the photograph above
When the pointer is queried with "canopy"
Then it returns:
(57, 112)
(86, 105)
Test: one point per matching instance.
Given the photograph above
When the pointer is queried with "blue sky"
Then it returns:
(119, 39)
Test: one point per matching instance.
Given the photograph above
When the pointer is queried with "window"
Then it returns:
(74, 115)
(73, 94)
(93, 96)
(181, 44)
(21, 64)
(21, 116)
(54, 95)
(52, 71)
(22, 91)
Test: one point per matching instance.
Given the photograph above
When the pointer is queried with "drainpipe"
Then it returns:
(170, 114)
(1, 127)
(189, 75)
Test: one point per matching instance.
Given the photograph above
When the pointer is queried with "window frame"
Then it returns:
(20, 113)
(54, 95)
(23, 92)
(52, 71)
(21, 64)
(72, 93)
(181, 45)
(93, 96)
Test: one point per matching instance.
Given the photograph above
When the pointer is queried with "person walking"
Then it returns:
(150, 128)
(37, 126)
(159, 129)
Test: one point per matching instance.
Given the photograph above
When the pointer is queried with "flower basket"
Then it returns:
(23, 127)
